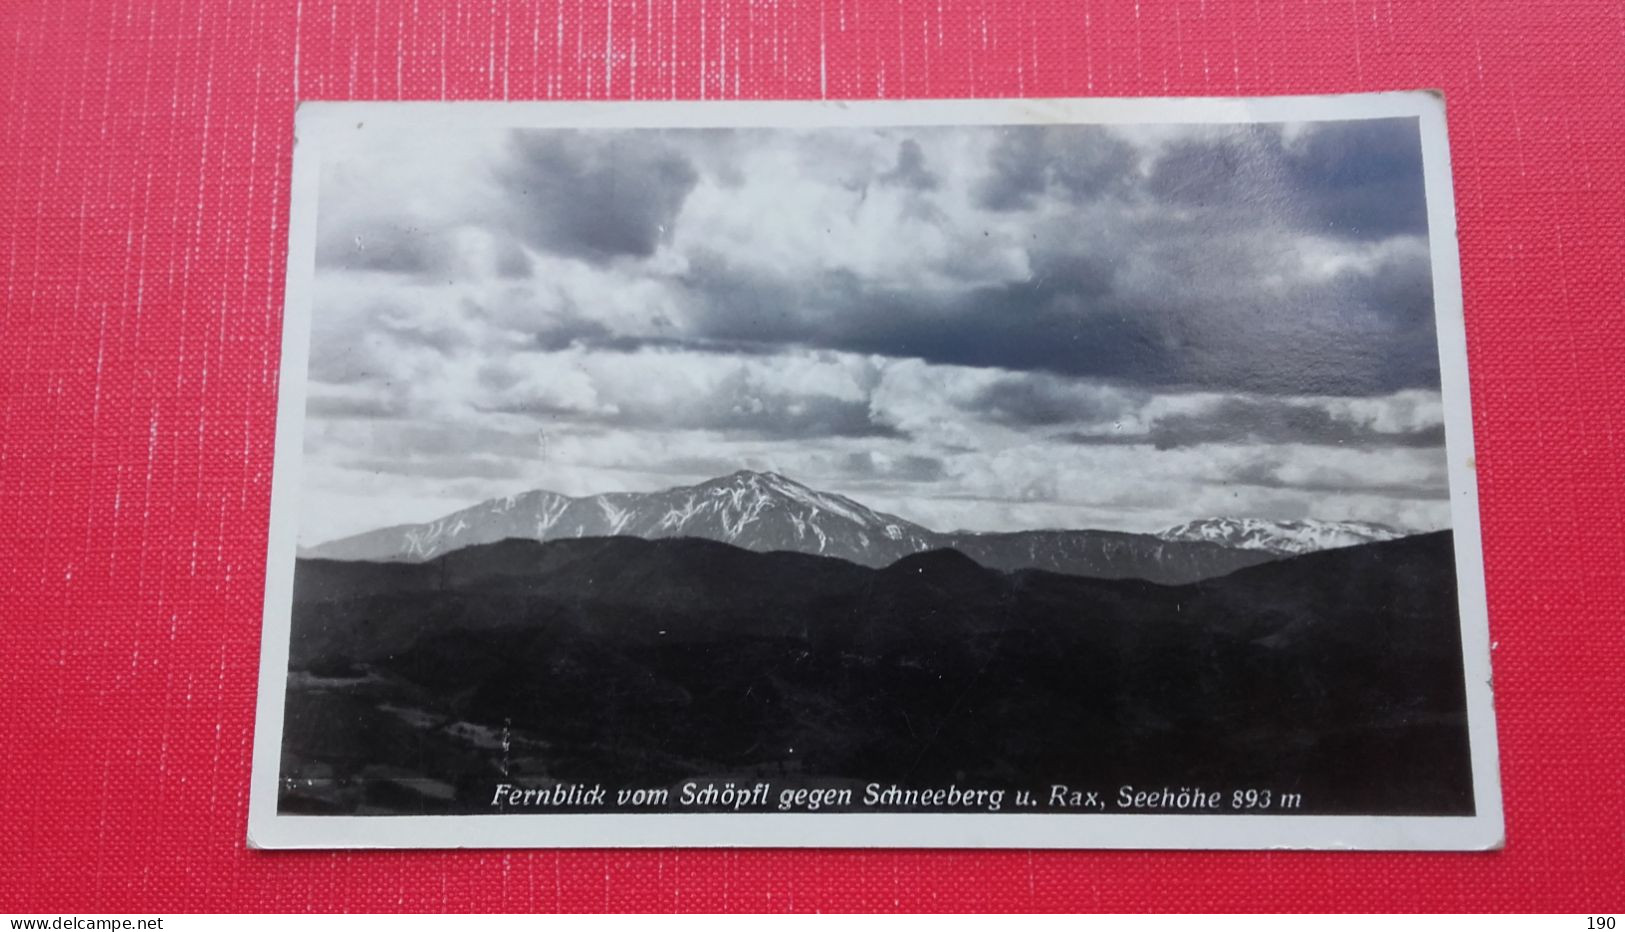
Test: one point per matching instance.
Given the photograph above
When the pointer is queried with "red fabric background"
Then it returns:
(144, 157)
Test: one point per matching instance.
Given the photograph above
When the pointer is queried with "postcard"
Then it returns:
(1039, 473)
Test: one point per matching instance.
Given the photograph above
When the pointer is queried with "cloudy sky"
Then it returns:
(986, 328)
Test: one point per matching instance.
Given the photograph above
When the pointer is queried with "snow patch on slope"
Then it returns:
(1288, 538)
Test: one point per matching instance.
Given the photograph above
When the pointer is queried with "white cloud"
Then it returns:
(455, 361)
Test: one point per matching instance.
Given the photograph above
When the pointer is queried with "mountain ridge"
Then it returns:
(1286, 538)
(414, 687)
(767, 511)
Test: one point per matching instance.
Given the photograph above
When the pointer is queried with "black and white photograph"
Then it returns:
(965, 474)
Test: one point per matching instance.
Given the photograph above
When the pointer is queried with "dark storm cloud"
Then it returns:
(1242, 420)
(1359, 333)
(1037, 400)
(1358, 180)
(1402, 285)
(1079, 162)
(381, 245)
(1367, 177)
(1172, 267)
(1309, 340)
(1189, 274)
(1045, 323)
(595, 196)
(910, 170)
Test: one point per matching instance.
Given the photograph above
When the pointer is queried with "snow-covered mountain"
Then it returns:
(764, 511)
(759, 511)
(1284, 538)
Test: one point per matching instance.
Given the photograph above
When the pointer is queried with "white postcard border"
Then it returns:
(319, 121)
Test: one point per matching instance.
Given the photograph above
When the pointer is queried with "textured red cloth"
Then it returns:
(144, 159)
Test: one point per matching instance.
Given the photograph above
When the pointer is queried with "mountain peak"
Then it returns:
(765, 510)
(755, 477)
(746, 475)
(941, 560)
(1284, 537)
(760, 510)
